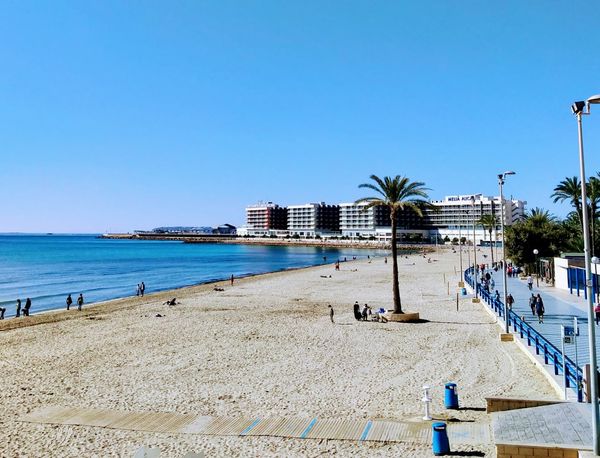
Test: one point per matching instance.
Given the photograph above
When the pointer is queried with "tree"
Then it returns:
(569, 189)
(397, 193)
(538, 231)
(489, 224)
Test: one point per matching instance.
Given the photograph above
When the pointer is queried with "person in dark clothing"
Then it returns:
(331, 313)
(357, 313)
(597, 314)
(18, 314)
(69, 301)
(27, 307)
(142, 289)
(510, 301)
(80, 302)
(365, 312)
(2, 312)
(232, 279)
(532, 304)
(539, 308)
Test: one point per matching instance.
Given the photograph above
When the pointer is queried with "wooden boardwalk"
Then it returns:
(301, 428)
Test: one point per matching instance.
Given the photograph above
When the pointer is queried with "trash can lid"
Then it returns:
(448, 385)
(439, 426)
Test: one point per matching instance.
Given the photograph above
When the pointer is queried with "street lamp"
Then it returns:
(501, 178)
(579, 109)
(596, 261)
(474, 248)
(537, 270)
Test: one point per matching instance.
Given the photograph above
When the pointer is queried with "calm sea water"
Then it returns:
(47, 268)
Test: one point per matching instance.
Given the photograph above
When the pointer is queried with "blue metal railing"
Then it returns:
(552, 355)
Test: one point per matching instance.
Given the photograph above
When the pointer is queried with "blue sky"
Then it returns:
(131, 115)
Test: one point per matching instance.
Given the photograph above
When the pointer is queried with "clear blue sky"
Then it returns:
(129, 115)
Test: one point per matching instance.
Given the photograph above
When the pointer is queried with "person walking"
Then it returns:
(331, 313)
(539, 308)
(80, 302)
(27, 307)
(597, 313)
(18, 314)
(510, 301)
(532, 304)
(530, 282)
(142, 289)
(69, 301)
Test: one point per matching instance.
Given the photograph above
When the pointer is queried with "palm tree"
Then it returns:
(538, 216)
(569, 189)
(593, 195)
(489, 224)
(397, 194)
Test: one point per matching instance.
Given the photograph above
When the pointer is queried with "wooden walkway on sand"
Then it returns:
(302, 428)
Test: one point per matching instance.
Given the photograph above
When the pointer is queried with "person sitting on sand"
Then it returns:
(380, 315)
(171, 302)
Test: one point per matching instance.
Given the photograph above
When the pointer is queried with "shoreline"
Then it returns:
(234, 240)
(93, 309)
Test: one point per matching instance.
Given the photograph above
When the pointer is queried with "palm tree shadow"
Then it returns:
(473, 409)
(463, 322)
(466, 453)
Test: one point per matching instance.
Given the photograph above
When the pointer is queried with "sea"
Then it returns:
(46, 268)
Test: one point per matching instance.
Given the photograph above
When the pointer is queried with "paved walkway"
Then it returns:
(560, 308)
(466, 433)
(566, 425)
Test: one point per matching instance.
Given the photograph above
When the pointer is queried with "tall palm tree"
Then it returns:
(538, 216)
(397, 194)
(569, 189)
(593, 195)
(489, 224)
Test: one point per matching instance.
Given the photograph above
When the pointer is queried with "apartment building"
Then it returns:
(312, 219)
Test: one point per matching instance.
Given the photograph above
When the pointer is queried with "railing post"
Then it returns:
(555, 363)
(521, 330)
(528, 337)
(567, 382)
(537, 343)
(545, 353)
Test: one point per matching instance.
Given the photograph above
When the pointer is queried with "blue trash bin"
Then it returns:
(440, 443)
(451, 396)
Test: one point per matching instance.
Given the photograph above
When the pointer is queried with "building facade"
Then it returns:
(264, 218)
(310, 220)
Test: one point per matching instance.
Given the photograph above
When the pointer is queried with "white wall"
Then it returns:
(561, 273)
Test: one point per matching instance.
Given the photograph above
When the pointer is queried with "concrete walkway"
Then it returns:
(560, 309)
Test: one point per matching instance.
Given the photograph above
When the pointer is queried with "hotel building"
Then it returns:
(265, 218)
(309, 220)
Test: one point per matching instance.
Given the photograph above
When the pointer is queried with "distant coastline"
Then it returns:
(224, 239)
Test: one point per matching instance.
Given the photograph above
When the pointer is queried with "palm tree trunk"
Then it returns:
(395, 285)
(491, 247)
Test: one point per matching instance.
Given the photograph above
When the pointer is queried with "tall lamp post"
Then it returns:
(474, 249)
(579, 109)
(537, 269)
(501, 178)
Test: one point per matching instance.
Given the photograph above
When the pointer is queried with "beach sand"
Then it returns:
(264, 347)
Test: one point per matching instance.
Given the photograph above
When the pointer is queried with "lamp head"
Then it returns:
(595, 260)
(595, 99)
(577, 107)
(536, 252)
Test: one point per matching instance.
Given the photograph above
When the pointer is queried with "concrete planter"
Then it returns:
(402, 317)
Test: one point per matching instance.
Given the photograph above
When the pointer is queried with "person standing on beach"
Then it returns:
(357, 313)
(539, 308)
(139, 290)
(69, 301)
(231, 279)
(142, 289)
(2, 312)
(18, 314)
(27, 307)
(80, 302)
(331, 313)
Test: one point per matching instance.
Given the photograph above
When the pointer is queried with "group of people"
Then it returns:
(24, 311)
(365, 312)
(141, 289)
(536, 303)
(79, 302)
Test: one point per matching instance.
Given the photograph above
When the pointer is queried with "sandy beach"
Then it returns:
(262, 347)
